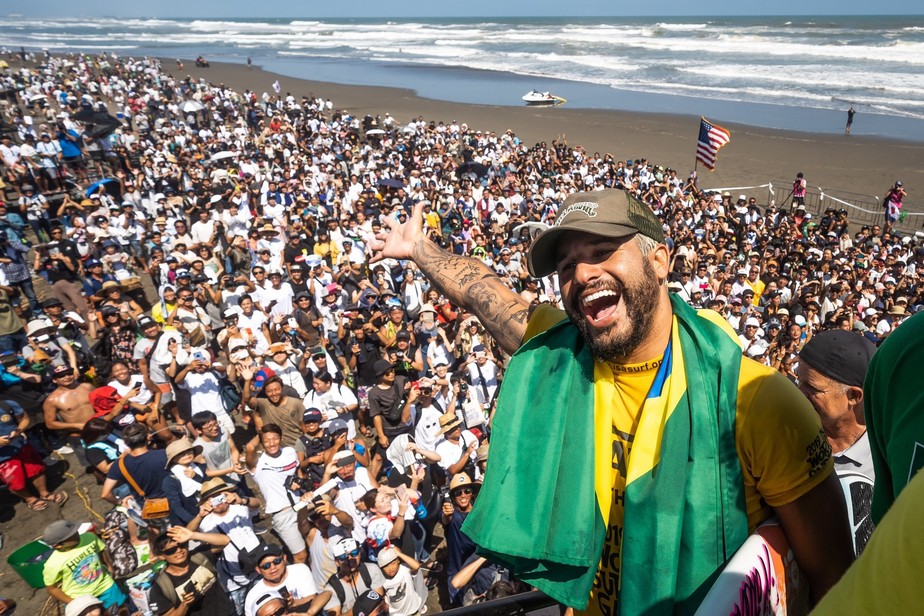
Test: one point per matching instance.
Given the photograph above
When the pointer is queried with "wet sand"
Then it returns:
(840, 164)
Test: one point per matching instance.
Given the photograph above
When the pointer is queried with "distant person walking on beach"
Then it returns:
(250, 65)
(893, 204)
(798, 189)
(850, 113)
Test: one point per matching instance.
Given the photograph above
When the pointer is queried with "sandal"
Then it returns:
(38, 504)
(57, 498)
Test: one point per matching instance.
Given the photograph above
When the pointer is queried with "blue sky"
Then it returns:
(471, 8)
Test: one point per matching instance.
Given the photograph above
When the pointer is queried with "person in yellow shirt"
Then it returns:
(653, 372)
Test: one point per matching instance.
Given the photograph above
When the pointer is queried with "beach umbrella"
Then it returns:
(111, 185)
(191, 106)
(36, 97)
(222, 156)
(375, 131)
(391, 183)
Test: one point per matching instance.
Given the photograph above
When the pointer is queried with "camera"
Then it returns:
(200, 279)
(294, 483)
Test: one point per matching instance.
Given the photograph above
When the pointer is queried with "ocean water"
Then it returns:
(798, 73)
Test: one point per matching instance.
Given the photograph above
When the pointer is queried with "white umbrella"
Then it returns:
(375, 131)
(36, 97)
(222, 156)
(191, 106)
(408, 129)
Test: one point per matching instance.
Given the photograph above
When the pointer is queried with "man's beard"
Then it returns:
(640, 298)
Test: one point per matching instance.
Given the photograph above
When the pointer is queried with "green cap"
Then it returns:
(607, 213)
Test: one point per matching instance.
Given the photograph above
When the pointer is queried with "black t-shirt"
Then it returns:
(368, 354)
(215, 602)
(57, 270)
(148, 470)
(387, 403)
(301, 249)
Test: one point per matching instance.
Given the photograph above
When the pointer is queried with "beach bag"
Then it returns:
(154, 508)
(118, 544)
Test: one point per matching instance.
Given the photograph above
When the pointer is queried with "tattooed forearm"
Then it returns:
(470, 283)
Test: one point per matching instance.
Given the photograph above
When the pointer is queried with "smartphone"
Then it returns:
(346, 461)
(218, 499)
(199, 356)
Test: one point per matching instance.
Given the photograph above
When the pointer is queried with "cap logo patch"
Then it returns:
(589, 208)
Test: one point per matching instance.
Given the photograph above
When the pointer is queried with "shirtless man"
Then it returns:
(68, 407)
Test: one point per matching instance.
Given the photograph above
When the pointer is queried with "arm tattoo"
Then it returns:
(470, 283)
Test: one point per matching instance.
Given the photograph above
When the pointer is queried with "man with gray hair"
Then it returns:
(832, 366)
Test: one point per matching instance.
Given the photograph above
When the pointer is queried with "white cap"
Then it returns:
(752, 321)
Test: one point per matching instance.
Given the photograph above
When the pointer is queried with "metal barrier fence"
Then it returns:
(861, 209)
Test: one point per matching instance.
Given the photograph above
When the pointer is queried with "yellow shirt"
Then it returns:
(776, 471)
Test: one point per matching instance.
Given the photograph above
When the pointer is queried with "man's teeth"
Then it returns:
(599, 294)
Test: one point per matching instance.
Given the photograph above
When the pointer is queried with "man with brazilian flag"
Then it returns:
(634, 448)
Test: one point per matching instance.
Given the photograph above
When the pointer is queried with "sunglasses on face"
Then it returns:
(426, 390)
(176, 548)
(273, 563)
(279, 611)
(352, 554)
(461, 491)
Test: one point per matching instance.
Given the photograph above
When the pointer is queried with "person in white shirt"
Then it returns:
(353, 482)
(333, 400)
(271, 470)
(482, 374)
(289, 364)
(203, 231)
(429, 411)
(252, 323)
(457, 447)
(293, 581)
(405, 587)
(201, 382)
(222, 511)
(278, 297)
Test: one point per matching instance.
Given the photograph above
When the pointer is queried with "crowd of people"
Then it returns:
(212, 331)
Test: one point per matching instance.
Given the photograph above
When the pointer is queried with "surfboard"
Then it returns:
(761, 579)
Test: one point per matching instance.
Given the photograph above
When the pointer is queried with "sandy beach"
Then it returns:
(840, 164)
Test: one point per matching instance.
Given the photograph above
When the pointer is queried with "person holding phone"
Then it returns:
(187, 585)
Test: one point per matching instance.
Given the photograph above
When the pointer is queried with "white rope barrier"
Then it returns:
(768, 186)
(823, 196)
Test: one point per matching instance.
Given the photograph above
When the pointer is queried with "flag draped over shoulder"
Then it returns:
(545, 503)
(711, 139)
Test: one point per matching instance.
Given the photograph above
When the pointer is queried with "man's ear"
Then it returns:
(660, 260)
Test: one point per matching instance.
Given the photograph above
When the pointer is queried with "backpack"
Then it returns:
(337, 586)
(118, 544)
(231, 396)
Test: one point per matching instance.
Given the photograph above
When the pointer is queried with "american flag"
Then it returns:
(711, 138)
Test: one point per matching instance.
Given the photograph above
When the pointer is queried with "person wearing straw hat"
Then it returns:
(462, 495)
(224, 512)
(184, 481)
(456, 447)
(625, 343)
